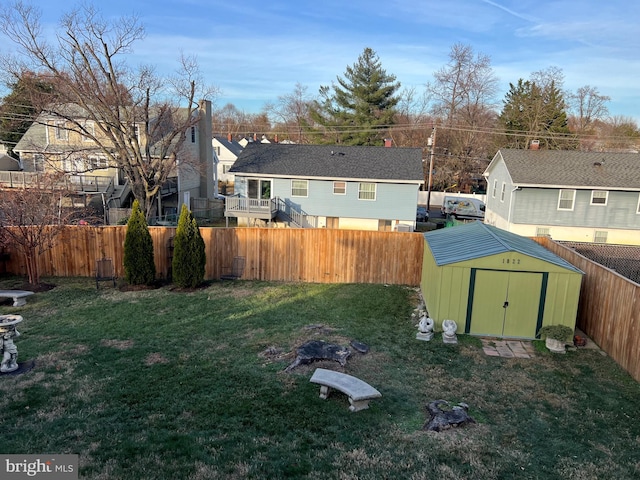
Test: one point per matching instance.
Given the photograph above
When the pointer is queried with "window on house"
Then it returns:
(600, 237)
(385, 225)
(333, 222)
(566, 199)
(193, 134)
(74, 165)
(495, 188)
(217, 151)
(299, 188)
(61, 132)
(96, 162)
(89, 130)
(259, 189)
(542, 232)
(599, 197)
(339, 188)
(366, 191)
(38, 162)
(638, 208)
(135, 132)
(502, 191)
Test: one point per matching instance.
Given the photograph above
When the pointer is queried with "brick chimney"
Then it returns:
(388, 142)
(535, 145)
(229, 137)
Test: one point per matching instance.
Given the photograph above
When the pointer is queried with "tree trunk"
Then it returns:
(31, 261)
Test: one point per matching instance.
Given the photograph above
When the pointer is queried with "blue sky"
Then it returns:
(255, 51)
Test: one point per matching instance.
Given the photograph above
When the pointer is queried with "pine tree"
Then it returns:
(189, 256)
(17, 111)
(537, 112)
(360, 107)
(139, 267)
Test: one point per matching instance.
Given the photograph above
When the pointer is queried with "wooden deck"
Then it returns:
(251, 208)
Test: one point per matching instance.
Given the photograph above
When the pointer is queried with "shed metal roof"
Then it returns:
(478, 240)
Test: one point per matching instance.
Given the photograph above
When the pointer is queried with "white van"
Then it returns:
(463, 207)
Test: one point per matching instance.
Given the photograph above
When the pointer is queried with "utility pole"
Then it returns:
(432, 143)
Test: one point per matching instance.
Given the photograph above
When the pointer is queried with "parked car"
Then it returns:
(463, 207)
(422, 215)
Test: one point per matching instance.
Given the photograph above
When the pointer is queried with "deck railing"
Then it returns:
(76, 183)
(237, 205)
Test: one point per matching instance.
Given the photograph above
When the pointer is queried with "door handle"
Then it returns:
(505, 305)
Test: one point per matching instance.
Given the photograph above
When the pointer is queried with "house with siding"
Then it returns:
(53, 144)
(327, 186)
(567, 195)
(225, 153)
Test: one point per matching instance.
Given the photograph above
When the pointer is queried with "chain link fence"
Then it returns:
(624, 259)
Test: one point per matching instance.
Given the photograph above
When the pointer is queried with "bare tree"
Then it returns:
(463, 88)
(619, 133)
(31, 218)
(588, 105)
(291, 113)
(463, 99)
(230, 120)
(137, 123)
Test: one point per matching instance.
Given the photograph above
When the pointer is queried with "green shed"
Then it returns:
(496, 283)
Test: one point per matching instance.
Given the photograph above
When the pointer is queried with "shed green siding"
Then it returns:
(506, 293)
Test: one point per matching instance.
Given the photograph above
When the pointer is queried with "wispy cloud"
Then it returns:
(521, 16)
(256, 51)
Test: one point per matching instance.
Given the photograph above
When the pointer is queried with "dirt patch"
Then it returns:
(202, 286)
(39, 287)
(140, 288)
(155, 358)
(237, 292)
(117, 344)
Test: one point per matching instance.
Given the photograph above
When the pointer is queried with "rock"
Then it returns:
(359, 346)
(444, 419)
(316, 350)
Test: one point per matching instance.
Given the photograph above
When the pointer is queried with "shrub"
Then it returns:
(557, 332)
(188, 252)
(139, 267)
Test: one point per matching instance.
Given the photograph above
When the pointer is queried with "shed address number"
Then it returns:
(515, 261)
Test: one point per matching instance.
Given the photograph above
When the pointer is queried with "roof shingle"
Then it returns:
(331, 161)
(573, 168)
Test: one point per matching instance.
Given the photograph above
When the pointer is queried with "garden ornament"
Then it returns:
(449, 328)
(8, 349)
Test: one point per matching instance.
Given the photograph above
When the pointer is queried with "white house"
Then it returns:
(225, 151)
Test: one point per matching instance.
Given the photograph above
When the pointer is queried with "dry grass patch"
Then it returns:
(117, 344)
(155, 358)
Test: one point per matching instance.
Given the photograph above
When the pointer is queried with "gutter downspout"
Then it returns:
(511, 202)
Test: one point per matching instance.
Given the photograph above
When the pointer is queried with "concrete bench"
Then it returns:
(359, 392)
(17, 295)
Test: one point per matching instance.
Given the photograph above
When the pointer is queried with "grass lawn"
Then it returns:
(166, 384)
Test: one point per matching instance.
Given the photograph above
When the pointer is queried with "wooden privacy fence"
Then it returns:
(272, 254)
(609, 308)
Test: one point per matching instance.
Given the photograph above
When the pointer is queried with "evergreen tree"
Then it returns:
(139, 267)
(17, 111)
(360, 107)
(531, 112)
(189, 257)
